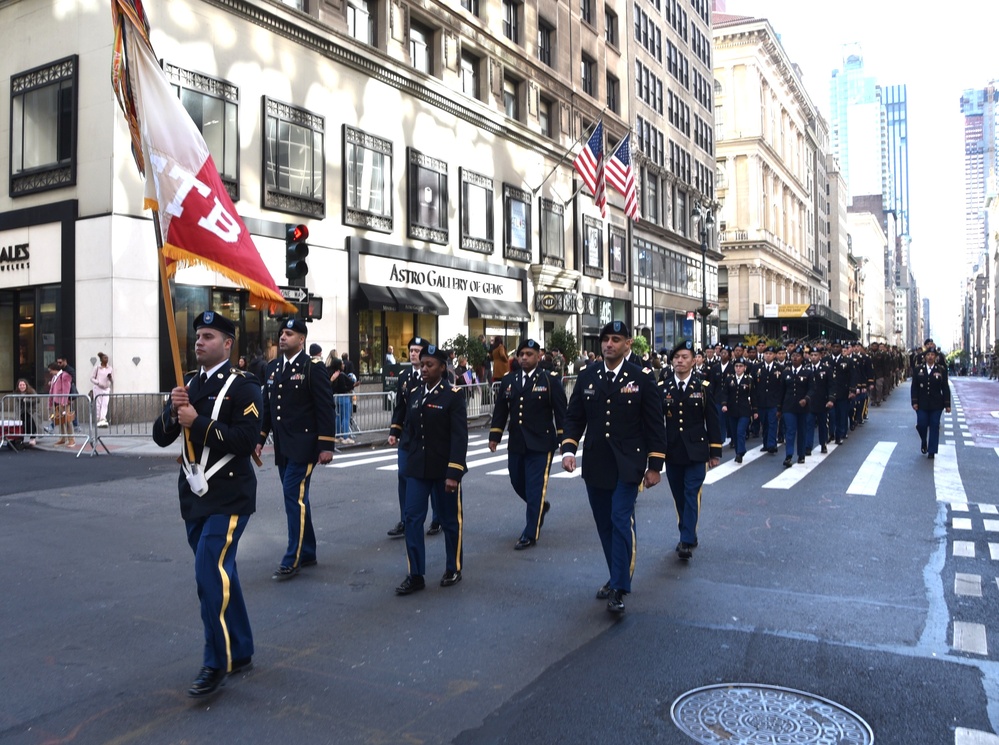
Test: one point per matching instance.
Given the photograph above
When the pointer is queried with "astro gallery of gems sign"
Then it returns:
(387, 272)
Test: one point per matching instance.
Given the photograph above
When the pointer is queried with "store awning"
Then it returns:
(497, 310)
(419, 301)
(373, 297)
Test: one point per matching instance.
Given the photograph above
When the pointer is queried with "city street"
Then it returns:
(866, 577)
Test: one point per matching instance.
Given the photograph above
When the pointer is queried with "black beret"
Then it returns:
(212, 320)
(528, 344)
(727, 348)
(798, 350)
(836, 343)
(616, 327)
(297, 325)
(771, 348)
(682, 344)
(928, 341)
(436, 352)
(739, 361)
(417, 341)
(740, 345)
(315, 349)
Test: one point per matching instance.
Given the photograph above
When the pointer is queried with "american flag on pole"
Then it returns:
(198, 221)
(621, 176)
(589, 164)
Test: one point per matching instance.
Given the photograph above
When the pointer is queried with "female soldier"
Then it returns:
(437, 440)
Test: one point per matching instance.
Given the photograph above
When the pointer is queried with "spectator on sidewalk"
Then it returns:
(101, 379)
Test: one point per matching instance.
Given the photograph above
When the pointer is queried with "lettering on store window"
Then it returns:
(13, 258)
(441, 281)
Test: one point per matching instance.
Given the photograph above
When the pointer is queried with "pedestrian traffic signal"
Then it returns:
(296, 249)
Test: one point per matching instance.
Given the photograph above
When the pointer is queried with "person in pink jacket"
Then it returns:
(100, 378)
(62, 417)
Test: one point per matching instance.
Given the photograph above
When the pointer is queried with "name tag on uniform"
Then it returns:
(589, 393)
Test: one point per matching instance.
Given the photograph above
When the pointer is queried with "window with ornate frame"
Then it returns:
(477, 223)
(43, 123)
(617, 254)
(516, 224)
(421, 47)
(367, 180)
(427, 198)
(213, 106)
(552, 232)
(294, 159)
(593, 247)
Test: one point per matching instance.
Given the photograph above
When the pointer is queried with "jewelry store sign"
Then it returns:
(388, 272)
(30, 256)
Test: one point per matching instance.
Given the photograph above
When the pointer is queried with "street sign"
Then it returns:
(294, 294)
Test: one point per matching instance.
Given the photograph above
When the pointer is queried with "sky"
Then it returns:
(937, 54)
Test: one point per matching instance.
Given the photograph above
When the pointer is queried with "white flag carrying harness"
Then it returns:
(197, 476)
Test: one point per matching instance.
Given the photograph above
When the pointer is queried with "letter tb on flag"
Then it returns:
(621, 176)
(589, 164)
(198, 221)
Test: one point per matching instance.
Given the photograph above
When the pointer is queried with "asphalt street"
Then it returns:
(850, 581)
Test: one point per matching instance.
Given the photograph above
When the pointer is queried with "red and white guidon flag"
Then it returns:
(198, 221)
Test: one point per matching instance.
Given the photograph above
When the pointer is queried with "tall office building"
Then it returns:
(979, 109)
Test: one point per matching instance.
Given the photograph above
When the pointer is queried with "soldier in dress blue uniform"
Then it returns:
(820, 402)
(693, 441)
(619, 407)
(409, 381)
(220, 409)
(436, 433)
(843, 385)
(298, 409)
(769, 394)
(797, 385)
(738, 401)
(930, 397)
(534, 401)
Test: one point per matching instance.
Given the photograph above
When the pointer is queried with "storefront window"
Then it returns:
(379, 329)
(29, 327)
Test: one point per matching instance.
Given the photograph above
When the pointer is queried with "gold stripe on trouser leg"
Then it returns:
(634, 548)
(544, 494)
(457, 556)
(233, 521)
(301, 513)
(699, 493)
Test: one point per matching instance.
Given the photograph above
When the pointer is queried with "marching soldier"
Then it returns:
(843, 386)
(409, 381)
(220, 408)
(797, 386)
(436, 438)
(769, 397)
(930, 397)
(534, 401)
(738, 401)
(619, 407)
(693, 441)
(820, 402)
(298, 409)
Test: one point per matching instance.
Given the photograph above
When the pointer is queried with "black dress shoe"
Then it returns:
(923, 450)
(615, 601)
(930, 456)
(787, 462)
(604, 592)
(824, 449)
(411, 584)
(808, 452)
(398, 531)
(284, 573)
(772, 451)
(544, 511)
(242, 665)
(523, 543)
(764, 449)
(839, 440)
(801, 458)
(738, 459)
(434, 529)
(209, 680)
(684, 550)
(450, 578)
(731, 446)
(309, 563)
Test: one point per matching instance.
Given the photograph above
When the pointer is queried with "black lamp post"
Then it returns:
(705, 221)
(868, 333)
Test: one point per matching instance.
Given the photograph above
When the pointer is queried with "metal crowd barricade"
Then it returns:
(130, 415)
(26, 417)
(568, 382)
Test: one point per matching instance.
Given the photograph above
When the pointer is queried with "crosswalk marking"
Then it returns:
(959, 507)
(730, 466)
(991, 526)
(965, 736)
(946, 477)
(961, 523)
(970, 637)
(791, 476)
(965, 549)
(988, 509)
(969, 585)
(868, 478)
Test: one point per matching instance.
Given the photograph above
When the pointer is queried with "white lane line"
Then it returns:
(338, 462)
(486, 461)
(970, 637)
(994, 551)
(961, 523)
(946, 477)
(964, 549)
(959, 507)
(791, 476)
(988, 509)
(969, 585)
(480, 451)
(868, 478)
(730, 466)
(965, 736)
(991, 526)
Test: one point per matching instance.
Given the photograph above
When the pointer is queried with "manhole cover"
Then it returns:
(750, 714)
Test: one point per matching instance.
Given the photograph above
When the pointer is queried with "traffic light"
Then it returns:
(296, 249)
(823, 332)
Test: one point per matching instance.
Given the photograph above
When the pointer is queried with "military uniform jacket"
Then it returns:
(844, 377)
(623, 421)
(233, 489)
(820, 393)
(797, 386)
(536, 413)
(693, 430)
(930, 389)
(409, 381)
(769, 386)
(298, 409)
(717, 376)
(739, 396)
(436, 433)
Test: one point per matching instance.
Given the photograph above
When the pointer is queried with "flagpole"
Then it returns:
(582, 137)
